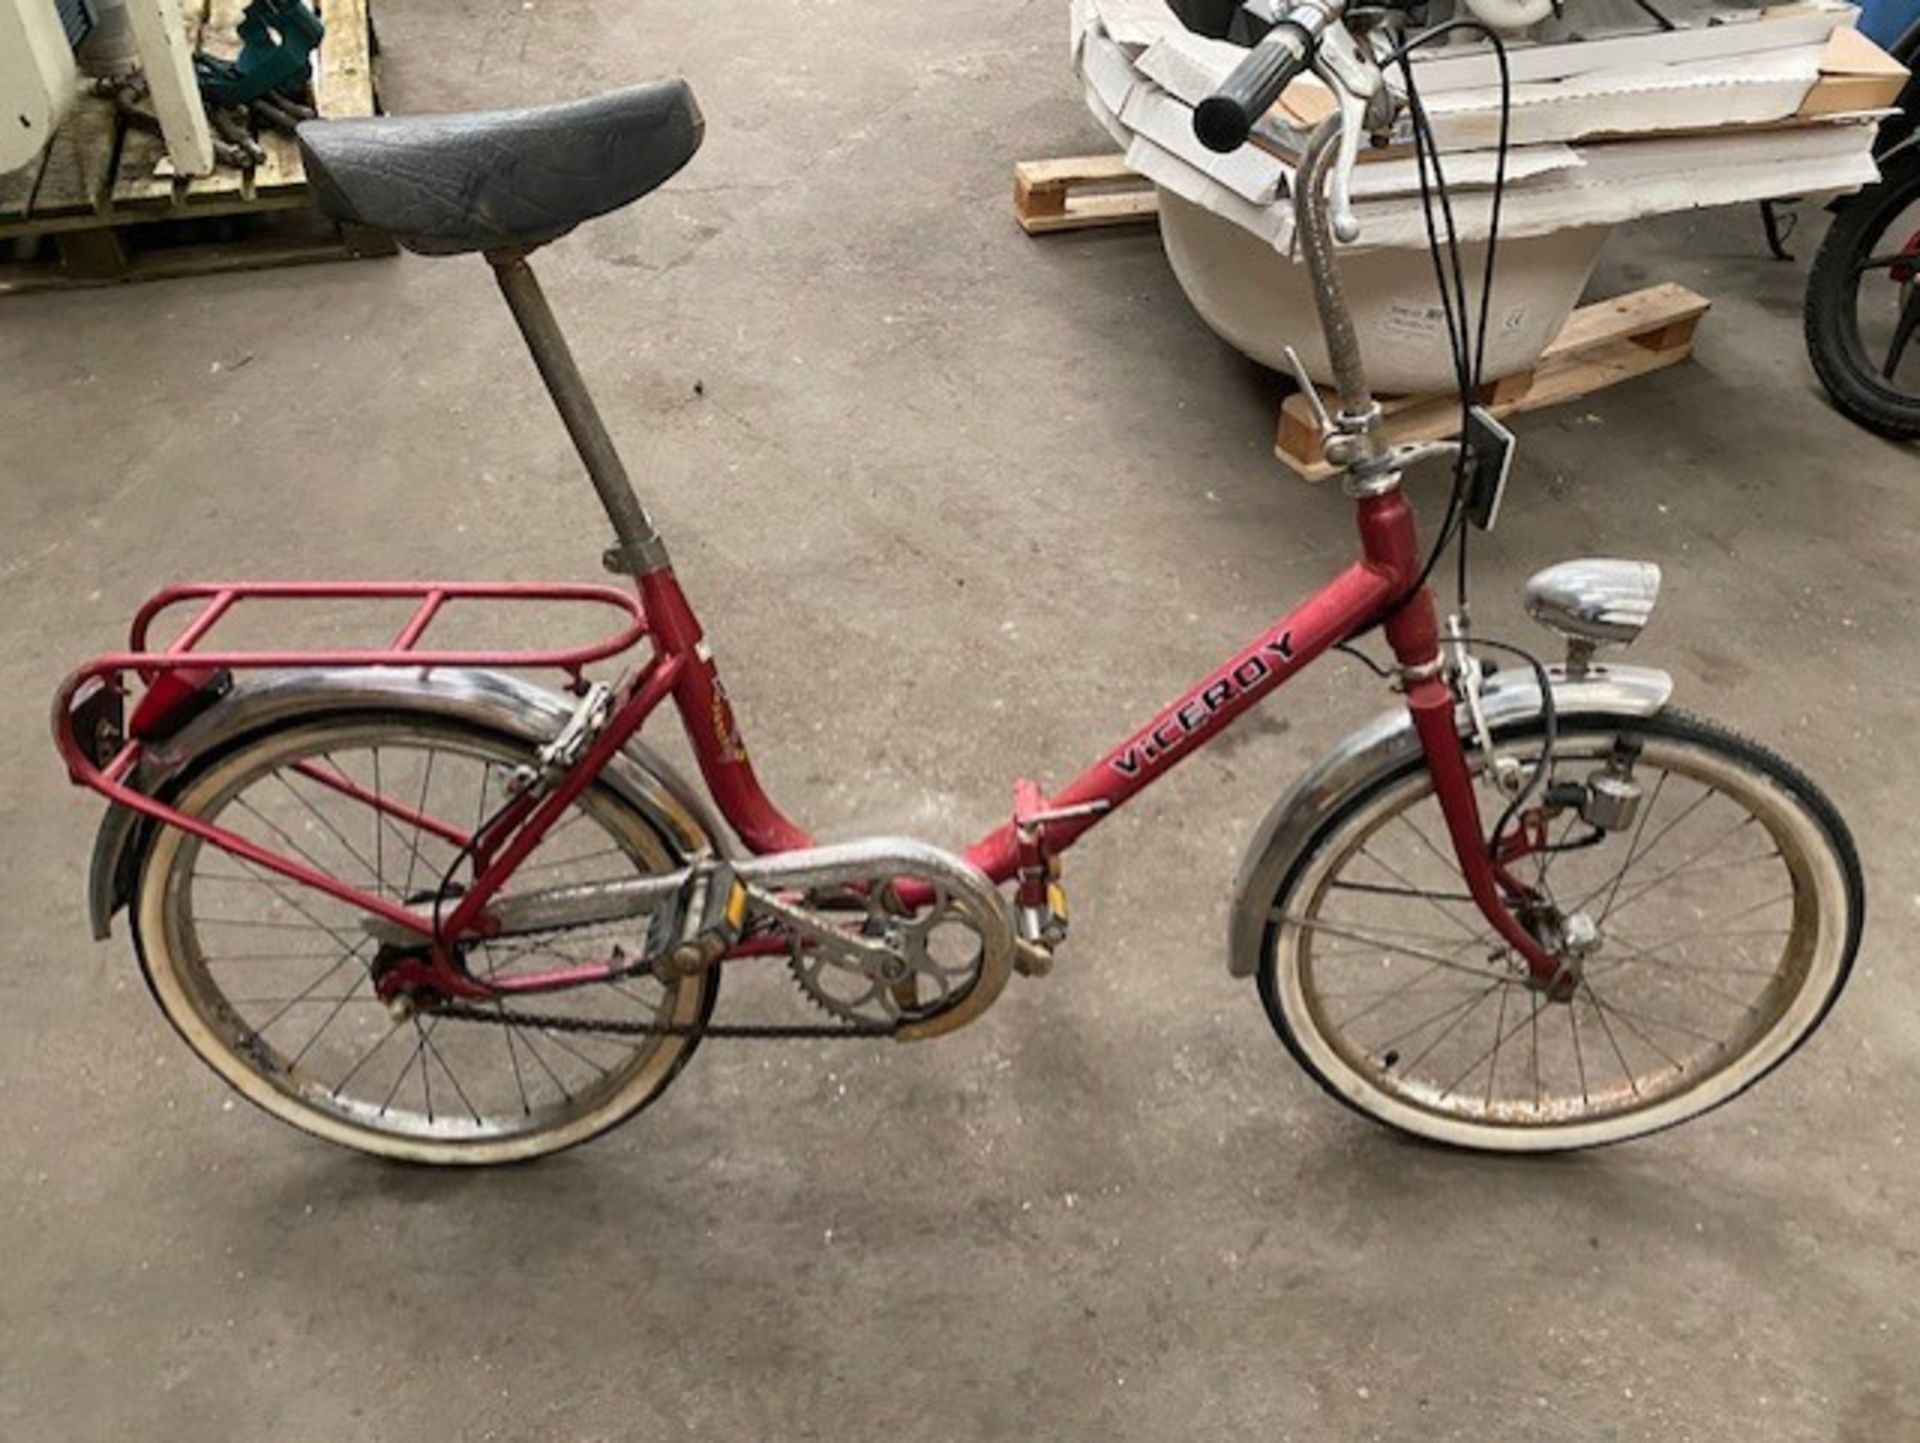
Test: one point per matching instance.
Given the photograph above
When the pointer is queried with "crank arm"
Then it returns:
(800, 921)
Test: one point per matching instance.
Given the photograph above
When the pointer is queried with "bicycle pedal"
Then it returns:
(1041, 927)
(701, 926)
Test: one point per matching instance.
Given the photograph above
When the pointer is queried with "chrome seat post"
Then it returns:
(639, 550)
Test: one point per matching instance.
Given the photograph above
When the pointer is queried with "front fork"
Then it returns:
(1390, 542)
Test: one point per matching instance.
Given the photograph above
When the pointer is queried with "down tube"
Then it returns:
(1181, 729)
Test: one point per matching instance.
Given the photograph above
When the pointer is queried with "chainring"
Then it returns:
(932, 958)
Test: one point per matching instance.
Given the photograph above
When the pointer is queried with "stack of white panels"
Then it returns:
(1731, 106)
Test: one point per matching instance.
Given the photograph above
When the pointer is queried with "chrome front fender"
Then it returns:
(1389, 741)
(488, 699)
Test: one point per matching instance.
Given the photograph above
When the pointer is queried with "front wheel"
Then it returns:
(1716, 929)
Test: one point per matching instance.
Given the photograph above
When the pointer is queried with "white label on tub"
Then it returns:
(1413, 321)
(1426, 321)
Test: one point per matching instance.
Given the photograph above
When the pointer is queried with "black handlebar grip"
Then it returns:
(1225, 119)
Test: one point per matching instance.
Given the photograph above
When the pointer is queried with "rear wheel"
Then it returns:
(1863, 304)
(273, 984)
(1725, 916)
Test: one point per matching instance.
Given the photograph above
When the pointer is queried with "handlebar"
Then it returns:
(1225, 119)
(1310, 34)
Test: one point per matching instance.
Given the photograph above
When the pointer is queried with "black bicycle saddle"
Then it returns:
(500, 179)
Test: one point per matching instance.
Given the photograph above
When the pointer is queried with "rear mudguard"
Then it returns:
(1389, 741)
(487, 699)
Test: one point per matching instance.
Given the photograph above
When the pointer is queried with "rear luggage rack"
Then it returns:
(184, 677)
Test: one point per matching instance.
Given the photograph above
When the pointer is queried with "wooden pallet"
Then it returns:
(1601, 345)
(1079, 193)
(101, 204)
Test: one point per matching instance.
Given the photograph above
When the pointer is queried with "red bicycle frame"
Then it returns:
(1383, 585)
(681, 667)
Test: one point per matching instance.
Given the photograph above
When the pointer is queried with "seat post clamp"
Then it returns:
(639, 558)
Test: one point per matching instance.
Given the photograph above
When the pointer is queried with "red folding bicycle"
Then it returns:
(409, 901)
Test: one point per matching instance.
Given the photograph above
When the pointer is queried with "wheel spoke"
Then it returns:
(513, 1060)
(1647, 887)
(419, 810)
(1579, 1056)
(526, 1040)
(366, 1057)
(1493, 1052)
(1625, 1021)
(1533, 1029)
(1902, 331)
(1493, 1066)
(281, 832)
(290, 900)
(326, 1022)
(1884, 262)
(458, 1090)
(1633, 1082)
(1662, 1022)
(1404, 881)
(1438, 959)
(416, 1060)
(352, 955)
(383, 824)
(1452, 1026)
(324, 820)
(1547, 857)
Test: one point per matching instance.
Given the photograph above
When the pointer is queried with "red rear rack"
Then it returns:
(176, 674)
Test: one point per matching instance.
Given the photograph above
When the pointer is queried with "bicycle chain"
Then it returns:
(554, 1022)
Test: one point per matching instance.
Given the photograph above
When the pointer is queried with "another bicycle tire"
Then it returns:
(1872, 247)
(1386, 984)
(272, 984)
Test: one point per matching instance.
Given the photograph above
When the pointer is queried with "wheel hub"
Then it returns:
(403, 978)
(1570, 938)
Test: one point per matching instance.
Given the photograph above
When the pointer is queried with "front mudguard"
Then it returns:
(1389, 741)
(491, 700)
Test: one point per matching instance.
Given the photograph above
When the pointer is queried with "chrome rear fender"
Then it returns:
(490, 700)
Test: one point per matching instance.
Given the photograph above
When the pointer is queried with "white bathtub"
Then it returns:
(1259, 302)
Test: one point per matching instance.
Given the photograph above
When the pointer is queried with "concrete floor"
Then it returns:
(958, 504)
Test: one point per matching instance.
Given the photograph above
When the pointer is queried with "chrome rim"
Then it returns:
(1722, 919)
(274, 983)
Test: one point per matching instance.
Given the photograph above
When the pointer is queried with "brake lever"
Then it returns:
(1356, 84)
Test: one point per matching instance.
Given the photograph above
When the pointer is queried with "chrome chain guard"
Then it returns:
(854, 949)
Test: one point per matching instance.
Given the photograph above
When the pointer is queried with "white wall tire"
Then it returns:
(1818, 919)
(180, 974)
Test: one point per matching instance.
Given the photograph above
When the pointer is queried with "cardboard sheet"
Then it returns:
(1784, 27)
(1593, 149)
